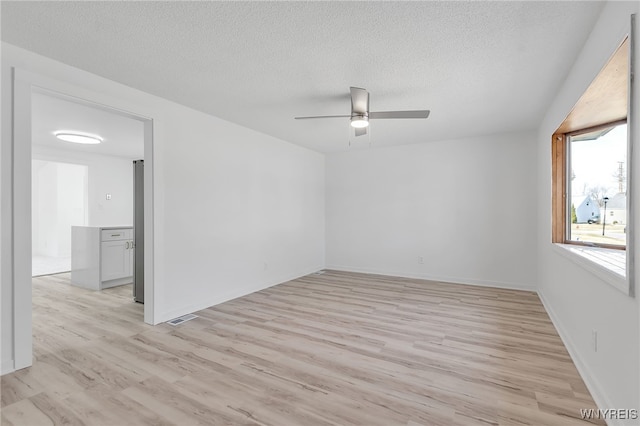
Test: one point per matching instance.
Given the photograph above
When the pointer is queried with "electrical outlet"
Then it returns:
(594, 339)
(421, 260)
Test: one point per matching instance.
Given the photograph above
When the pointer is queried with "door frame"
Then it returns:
(24, 83)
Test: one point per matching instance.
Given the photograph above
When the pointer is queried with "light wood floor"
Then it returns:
(331, 349)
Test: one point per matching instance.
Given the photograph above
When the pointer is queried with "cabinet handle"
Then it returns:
(132, 245)
(126, 245)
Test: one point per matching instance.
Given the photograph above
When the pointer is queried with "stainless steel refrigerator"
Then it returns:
(138, 231)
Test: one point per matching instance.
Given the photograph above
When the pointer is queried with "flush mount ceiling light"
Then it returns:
(76, 137)
(359, 121)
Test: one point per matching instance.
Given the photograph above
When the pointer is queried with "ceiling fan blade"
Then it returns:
(400, 114)
(322, 116)
(361, 131)
(359, 100)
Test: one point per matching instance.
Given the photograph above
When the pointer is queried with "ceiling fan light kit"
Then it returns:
(360, 114)
(359, 121)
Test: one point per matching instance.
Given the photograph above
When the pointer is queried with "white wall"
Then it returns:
(243, 211)
(58, 202)
(44, 192)
(71, 203)
(577, 300)
(226, 199)
(106, 175)
(467, 207)
(6, 207)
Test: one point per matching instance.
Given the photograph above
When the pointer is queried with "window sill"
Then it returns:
(607, 264)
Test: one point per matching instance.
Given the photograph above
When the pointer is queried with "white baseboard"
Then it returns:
(599, 397)
(7, 367)
(454, 280)
(230, 295)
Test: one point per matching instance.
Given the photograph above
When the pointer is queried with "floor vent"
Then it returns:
(319, 272)
(182, 319)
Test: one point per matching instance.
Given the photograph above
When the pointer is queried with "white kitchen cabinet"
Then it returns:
(117, 259)
(101, 257)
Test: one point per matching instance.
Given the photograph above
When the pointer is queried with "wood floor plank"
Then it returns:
(25, 412)
(331, 349)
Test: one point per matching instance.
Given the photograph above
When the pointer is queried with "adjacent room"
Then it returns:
(349, 213)
(59, 201)
(82, 182)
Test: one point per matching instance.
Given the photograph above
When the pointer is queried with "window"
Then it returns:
(596, 162)
(589, 162)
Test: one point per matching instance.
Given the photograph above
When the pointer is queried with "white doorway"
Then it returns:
(19, 222)
(58, 202)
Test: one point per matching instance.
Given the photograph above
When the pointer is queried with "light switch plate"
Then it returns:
(108, 196)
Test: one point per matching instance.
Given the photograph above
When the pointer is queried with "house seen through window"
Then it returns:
(597, 205)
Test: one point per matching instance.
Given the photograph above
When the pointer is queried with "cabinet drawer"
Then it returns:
(117, 234)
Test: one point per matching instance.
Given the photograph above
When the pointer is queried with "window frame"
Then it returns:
(606, 100)
(561, 208)
(612, 83)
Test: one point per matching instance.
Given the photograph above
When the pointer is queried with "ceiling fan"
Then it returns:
(360, 114)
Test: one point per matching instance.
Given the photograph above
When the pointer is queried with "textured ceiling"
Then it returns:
(122, 136)
(480, 67)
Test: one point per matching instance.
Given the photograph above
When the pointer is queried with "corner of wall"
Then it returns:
(595, 387)
(6, 367)
(232, 294)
